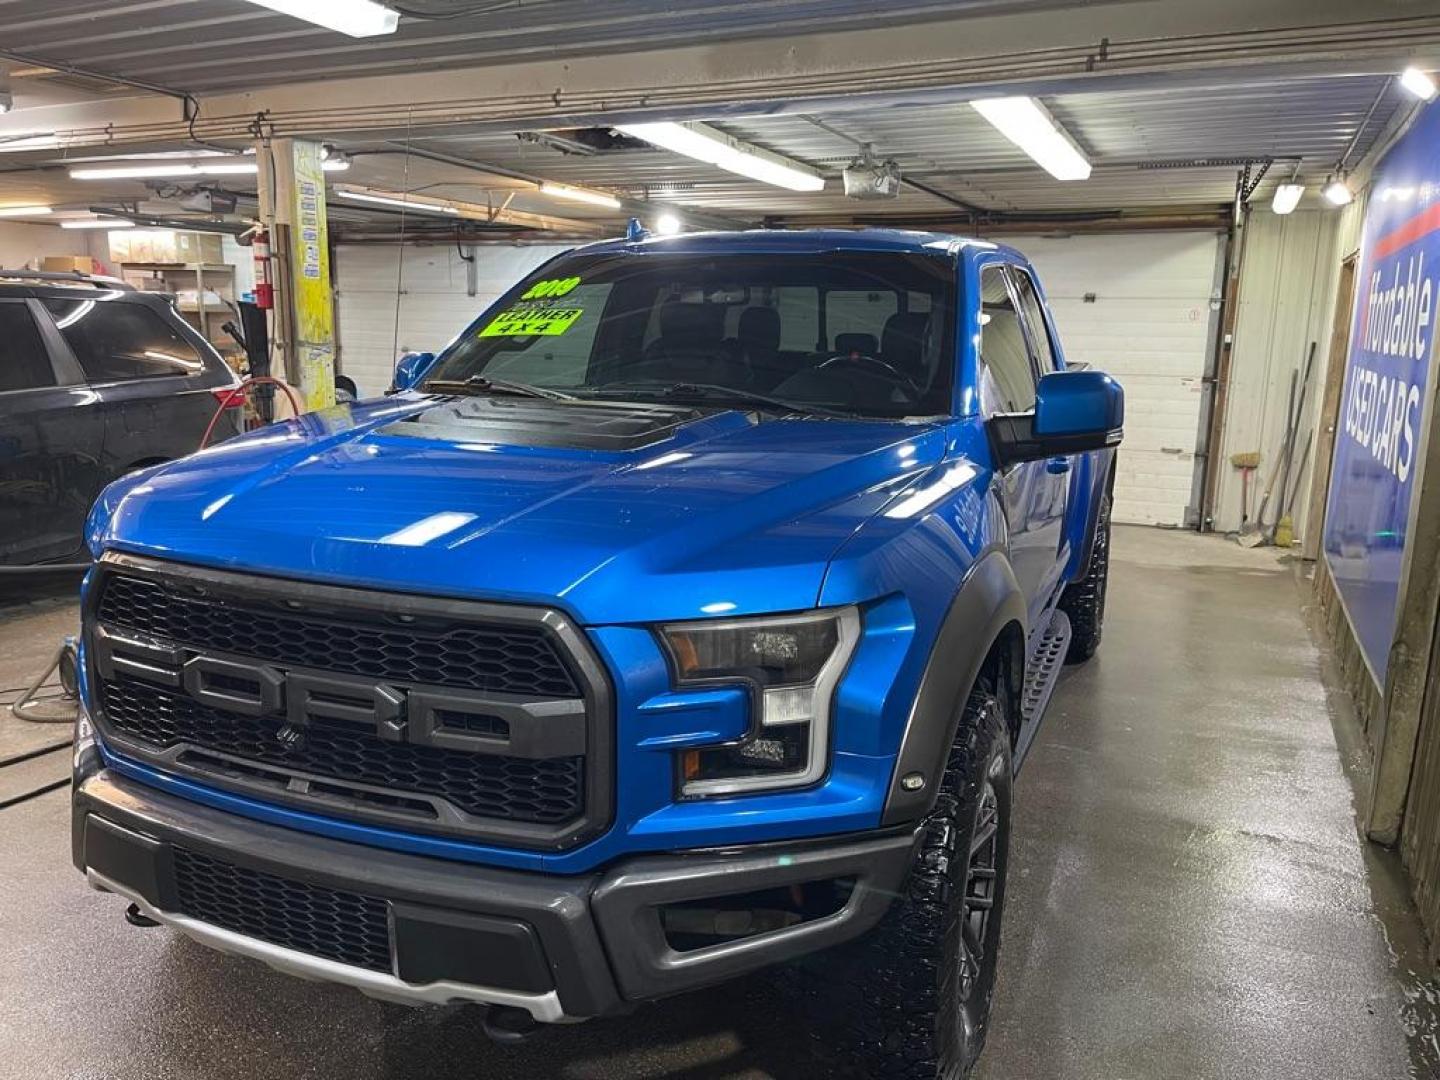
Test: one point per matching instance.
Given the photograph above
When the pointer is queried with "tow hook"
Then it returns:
(506, 1024)
(135, 917)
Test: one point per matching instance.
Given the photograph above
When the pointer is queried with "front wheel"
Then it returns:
(1084, 600)
(911, 1000)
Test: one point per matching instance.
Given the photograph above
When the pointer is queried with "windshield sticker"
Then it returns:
(526, 322)
(551, 287)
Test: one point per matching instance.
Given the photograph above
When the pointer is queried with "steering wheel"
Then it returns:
(883, 366)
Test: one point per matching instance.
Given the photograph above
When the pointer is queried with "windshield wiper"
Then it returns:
(716, 392)
(485, 385)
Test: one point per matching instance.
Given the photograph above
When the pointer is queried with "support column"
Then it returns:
(292, 206)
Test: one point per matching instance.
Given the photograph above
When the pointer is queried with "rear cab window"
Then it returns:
(115, 341)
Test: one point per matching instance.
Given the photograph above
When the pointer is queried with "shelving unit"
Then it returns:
(178, 278)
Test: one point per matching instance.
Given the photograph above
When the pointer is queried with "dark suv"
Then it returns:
(96, 379)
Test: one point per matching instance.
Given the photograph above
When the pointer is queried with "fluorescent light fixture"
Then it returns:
(98, 223)
(358, 18)
(23, 211)
(582, 195)
(714, 147)
(408, 204)
(1418, 83)
(1029, 125)
(1287, 197)
(1337, 192)
(168, 171)
(667, 224)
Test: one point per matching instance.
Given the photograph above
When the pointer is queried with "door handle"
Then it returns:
(1057, 466)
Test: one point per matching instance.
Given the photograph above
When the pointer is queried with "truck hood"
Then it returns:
(617, 513)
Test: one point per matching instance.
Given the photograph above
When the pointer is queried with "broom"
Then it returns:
(1247, 463)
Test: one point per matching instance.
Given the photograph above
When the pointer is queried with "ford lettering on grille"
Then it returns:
(466, 718)
(425, 715)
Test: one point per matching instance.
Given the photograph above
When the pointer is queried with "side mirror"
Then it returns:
(411, 369)
(1074, 411)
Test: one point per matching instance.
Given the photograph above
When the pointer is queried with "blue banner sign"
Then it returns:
(1378, 435)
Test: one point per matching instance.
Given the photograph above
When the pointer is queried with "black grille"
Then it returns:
(549, 791)
(511, 659)
(341, 926)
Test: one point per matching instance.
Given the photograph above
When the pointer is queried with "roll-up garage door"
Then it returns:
(1142, 307)
(434, 300)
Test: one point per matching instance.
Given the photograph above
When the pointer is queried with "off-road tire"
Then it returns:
(902, 1003)
(1084, 600)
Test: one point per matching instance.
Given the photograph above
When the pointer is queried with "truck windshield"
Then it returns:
(853, 333)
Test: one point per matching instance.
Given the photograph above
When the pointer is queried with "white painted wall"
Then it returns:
(433, 305)
(23, 245)
(1149, 324)
(1287, 294)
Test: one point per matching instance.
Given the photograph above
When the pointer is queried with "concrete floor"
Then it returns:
(1190, 900)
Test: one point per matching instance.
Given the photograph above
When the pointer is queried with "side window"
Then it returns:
(115, 341)
(1007, 381)
(1034, 320)
(24, 362)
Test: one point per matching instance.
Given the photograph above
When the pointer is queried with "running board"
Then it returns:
(1042, 672)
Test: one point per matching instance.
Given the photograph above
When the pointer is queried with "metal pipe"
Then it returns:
(628, 205)
(1364, 123)
(89, 73)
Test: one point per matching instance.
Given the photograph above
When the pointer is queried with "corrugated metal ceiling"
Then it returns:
(951, 149)
(221, 45)
(210, 45)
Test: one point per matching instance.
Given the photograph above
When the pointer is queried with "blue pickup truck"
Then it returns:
(690, 614)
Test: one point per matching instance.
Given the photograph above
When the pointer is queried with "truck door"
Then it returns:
(1053, 500)
(50, 442)
(1007, 385)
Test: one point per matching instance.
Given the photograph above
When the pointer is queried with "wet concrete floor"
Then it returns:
(1190, 897)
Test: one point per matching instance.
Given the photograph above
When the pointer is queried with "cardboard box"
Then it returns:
(83, 264)
(198, 248)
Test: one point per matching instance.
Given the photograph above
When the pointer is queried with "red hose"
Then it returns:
(243, 390)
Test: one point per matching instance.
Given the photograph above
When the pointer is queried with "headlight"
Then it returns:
(792, 664)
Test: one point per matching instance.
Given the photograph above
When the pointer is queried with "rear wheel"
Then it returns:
(911, 1000)
(1084, 600)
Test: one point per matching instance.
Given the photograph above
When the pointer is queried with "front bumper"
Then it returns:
(560, 947)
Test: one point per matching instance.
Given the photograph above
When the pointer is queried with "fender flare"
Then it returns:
(1105, 470)
(988, 600)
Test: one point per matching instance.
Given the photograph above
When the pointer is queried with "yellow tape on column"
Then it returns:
(310, 256)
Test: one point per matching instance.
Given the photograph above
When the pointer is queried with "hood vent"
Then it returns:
(578, 425)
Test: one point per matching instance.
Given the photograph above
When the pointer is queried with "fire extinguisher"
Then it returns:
(264, 287)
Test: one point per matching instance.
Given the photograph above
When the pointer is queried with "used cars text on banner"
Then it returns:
(1377, 437)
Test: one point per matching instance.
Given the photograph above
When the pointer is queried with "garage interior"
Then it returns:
(1226, 851)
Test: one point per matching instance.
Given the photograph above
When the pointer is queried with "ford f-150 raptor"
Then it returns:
(691, 613)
